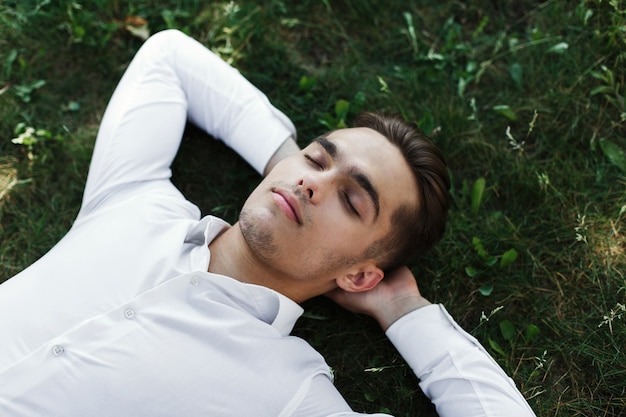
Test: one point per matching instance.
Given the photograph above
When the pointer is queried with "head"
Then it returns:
(415, 228)
(336, 212)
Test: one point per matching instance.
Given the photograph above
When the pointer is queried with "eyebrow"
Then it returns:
(357, 175)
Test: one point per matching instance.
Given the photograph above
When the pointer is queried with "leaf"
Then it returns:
(471, 271)
(426, 123)
(327, 121)
(486, 290)
(19, 128)
(479, 248)
(8, 62)
(384, 87)
(508, 330)
(559, 48)
(73, 106)
(78, 33)
(491, 261)
(588, 15)
(341, 109)
(462, 84)
(307, 83)
(516, 74)
(43, 133)
(508, 258)
(602, 89)
(614, 153)
(598, 75)
(478, 190)
(358, 101)
(531, 334)
(38, 84)
(505, 111)
(496, 347)
(24, 91)
(408, 18)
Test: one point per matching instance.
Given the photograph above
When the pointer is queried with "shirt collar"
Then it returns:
(272, 307)
(213, 227)
(288, 313)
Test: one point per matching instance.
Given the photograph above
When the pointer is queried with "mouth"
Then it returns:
(288, 205)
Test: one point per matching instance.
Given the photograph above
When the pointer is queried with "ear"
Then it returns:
(363, 279)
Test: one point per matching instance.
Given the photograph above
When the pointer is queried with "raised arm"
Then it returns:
(455, 371)
(174, 78)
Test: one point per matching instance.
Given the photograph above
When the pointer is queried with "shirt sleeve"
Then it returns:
(323, 400)
(174, 78)
(455, 371)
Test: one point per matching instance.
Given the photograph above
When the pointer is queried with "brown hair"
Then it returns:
(414, 229)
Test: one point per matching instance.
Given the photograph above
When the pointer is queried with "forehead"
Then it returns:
(379, 159)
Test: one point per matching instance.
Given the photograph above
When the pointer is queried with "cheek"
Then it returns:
(342, 230)
(287, 168)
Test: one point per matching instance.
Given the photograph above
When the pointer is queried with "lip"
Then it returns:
(288, 204)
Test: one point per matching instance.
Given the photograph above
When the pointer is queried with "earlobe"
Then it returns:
(361, 281)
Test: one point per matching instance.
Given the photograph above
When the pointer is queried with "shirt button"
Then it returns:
(195, 280)
(129, 313)
(58, 350)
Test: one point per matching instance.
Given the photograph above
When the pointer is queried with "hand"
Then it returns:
(396, 295)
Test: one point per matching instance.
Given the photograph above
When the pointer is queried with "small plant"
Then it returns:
(85, 26)
(508, 332)
(614, 153)
(486, 259)
(513, 335)
(506, 111)
(610, 88)
(230, 28)
(343, 108)
(581, 229)
(28, 137)
(338, 119)
(616, 313)
(306, 86)
(489, 261)
(25, 91)
(478, 190)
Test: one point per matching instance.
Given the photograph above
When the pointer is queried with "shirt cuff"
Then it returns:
(424, 334)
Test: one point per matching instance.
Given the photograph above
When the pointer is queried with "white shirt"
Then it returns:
(121, 317)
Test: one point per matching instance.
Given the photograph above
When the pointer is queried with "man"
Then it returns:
(144, 309)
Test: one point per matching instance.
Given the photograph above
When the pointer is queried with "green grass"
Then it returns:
(551, 73)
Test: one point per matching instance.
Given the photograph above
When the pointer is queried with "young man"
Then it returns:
(144, 309)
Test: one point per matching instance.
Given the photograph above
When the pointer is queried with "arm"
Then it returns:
(289, 147)
(455, 371)
(174, 78)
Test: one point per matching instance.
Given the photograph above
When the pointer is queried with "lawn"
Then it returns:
(525, 98)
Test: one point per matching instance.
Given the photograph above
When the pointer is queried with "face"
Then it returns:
(316, 213)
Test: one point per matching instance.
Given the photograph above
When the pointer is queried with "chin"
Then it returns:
(258, 234)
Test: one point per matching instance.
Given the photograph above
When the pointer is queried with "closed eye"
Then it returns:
(313, 161)
(349, 205)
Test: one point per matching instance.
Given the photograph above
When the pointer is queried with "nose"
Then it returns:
(310, 186)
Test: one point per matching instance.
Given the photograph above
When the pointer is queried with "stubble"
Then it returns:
(257, 235)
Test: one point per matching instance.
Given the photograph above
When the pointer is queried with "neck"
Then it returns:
(231, 256)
